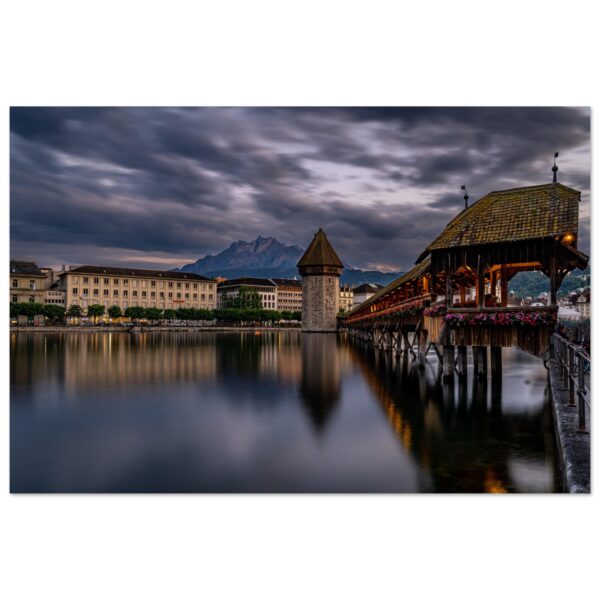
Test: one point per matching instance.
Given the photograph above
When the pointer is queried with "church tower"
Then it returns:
(320, 268)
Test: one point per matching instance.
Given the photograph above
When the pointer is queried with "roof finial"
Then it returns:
(554, 168)
(466, 196)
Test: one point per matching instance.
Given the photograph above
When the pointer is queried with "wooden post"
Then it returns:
(553, 278)
(493, 279)
(504, 286)
(462, 362)
(448, 368)
(480, 286)
(449, 300)
(496, 361)
(481, 370)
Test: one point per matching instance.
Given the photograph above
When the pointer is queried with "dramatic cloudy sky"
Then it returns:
(159, 187)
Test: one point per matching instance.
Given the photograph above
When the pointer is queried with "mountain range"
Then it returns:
(268, 257)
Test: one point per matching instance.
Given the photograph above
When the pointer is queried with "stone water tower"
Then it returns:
(320, 268)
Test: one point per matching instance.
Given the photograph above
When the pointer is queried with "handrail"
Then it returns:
(574, 370)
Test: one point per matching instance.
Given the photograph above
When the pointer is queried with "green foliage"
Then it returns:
(53, 312)
(29, 309)
(95, 310)
(194, 314)
(247, 315)
(135, 312)
(246, 298)
(169, 314)
(533, 283)
(114, 312)
(153, 314)
(15, 310)
(74, 311)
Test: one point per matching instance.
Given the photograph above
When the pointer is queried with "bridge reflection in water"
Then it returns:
(275, 412)
(458, 431)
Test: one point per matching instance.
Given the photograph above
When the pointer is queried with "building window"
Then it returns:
(15, 298)
(153, 284)
(105, 292)
(170, 294)
(210, 296)
(106, 281)
(195, 286)
(143, 294)
(85, 291)
(96, 280)
(134, 293)
(195, 296)
(179, 294)
(75, 291)
(86, 280)
(161, 284)
(115, 293)
(15, 283)
(187, 286)
(125, 293)
(153, 294)
(125, 281)
(203, 297)
(170, 284)
(179, 285)
(96, 292)
(187, 296)
(32, 284)
(162, 294)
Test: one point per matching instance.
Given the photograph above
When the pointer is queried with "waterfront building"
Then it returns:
(126, 287)
(363, 292)
(28, 283)
(320, 268)
(346, 298)
(288, 294)
(266, 289)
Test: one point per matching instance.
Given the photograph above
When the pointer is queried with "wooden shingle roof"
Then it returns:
(512, 215)
(320, 253)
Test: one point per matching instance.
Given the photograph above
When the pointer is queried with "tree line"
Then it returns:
(55, 313)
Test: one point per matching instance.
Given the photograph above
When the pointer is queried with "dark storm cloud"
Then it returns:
(183, 182)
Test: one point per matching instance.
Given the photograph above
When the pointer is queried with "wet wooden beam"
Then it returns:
(448, 366)
(496, 361)
(461, 361)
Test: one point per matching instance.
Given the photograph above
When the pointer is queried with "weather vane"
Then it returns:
(466, 196)
(554, 168)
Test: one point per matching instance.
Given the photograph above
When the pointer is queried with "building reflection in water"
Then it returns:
(320, 382)
(462, 440)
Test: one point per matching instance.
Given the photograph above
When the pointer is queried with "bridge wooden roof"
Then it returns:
(516, 214)
(417, 271)
(320, 253)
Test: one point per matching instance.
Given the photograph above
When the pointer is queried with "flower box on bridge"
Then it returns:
(528, 328)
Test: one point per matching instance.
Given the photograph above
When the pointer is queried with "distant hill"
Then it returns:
(533, 283)
(268, 257)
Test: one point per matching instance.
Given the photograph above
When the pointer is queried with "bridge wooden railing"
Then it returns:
(373, 312)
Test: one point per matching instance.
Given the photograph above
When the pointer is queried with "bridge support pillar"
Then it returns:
(448, 368)
(480, 361)
(423, 335)
(462, 362)
(496, 362)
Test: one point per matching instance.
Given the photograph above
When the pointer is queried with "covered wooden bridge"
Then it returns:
(457, 294)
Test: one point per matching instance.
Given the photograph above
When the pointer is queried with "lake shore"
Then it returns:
(145, 329)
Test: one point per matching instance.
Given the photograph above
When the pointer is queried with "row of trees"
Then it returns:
(56, 313)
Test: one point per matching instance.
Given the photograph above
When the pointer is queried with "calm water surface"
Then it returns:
(275, 412)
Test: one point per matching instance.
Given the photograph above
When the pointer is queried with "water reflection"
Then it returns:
(268, 412)
(465, 442)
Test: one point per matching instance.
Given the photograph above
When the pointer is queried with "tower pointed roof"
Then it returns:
(320, 253)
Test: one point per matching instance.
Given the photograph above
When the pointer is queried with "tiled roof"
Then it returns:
(126, 272)
(19, 267)
(511, 215)
(367, 287)
(249, 281)
(281, 281)
(320, 253)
